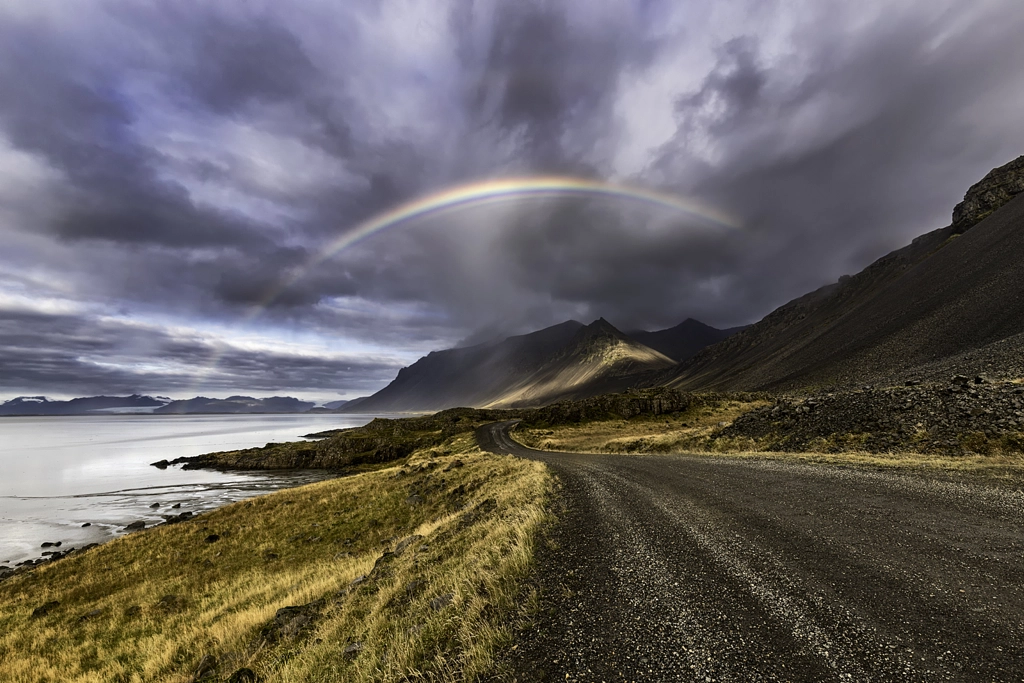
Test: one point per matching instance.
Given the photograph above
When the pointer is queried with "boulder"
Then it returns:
(243, 675)
(404, 544)
(441, 601)
(45, 609)
(206, 670)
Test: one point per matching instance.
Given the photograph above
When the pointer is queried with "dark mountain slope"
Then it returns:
(599, 359)
(469, 376)
(565, 361)
(952, 293)
(685, 339)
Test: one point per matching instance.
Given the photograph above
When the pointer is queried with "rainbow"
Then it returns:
(494, 190)
(476, 194)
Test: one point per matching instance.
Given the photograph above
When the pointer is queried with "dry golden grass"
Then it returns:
(115, 623)
(687, 433)
(1008, 465)
(662, 434)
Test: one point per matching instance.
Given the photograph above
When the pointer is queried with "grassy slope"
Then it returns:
(686, 430)
(115, 621)
(689, 432)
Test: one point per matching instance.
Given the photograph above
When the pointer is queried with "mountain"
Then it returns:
(599, 359)
(334, 405)
(564, 360)
(236, 404)
(684, 340)
(339, 406)
(469, 376)
(950, 302)
(40, 405)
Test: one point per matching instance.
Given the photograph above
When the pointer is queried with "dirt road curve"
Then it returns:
(688, 568)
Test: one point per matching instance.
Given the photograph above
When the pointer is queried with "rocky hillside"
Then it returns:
(380, 441)
(953, 296)
(962, 415)
(628, 405)
(993, 191)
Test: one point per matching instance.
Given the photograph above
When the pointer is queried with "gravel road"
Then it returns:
(690, 568)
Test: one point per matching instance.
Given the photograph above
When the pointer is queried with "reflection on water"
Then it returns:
(59, 473)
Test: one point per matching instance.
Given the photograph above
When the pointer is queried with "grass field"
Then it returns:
(688, 433)
(671, 433)
(177, 604)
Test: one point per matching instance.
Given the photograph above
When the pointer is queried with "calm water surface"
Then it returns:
(58, 473)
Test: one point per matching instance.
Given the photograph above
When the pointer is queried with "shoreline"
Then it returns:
(181, 502)
(62, 472)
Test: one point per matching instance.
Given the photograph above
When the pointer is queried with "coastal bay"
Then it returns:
(61, 473)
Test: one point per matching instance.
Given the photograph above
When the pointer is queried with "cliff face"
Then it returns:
(991, 192)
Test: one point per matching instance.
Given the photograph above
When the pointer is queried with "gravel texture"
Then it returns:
(685, 568)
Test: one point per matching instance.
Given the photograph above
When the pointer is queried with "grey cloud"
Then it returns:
(83, 356)
(551, 84)
(832, 149)
(735, 85)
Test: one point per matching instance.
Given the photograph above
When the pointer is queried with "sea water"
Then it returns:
(58, 474)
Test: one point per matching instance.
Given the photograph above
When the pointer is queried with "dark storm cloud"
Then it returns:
(191, 159)
(828, 167)
(902, 131)
(550, 83)
(85, 356)
(83, 130)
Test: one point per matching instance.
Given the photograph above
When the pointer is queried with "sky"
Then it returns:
(173, 175)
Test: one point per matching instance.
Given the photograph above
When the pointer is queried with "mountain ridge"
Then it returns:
(137, 403)
(951, 293)
(523, 369)
(684, 340)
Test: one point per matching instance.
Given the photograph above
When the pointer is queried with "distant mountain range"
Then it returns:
(236, 404)
(950, 302)
(40, 405)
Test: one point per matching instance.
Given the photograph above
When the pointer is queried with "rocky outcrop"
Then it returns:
(991, 192)
(380, 441)
(657, 401)
(956, 417)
